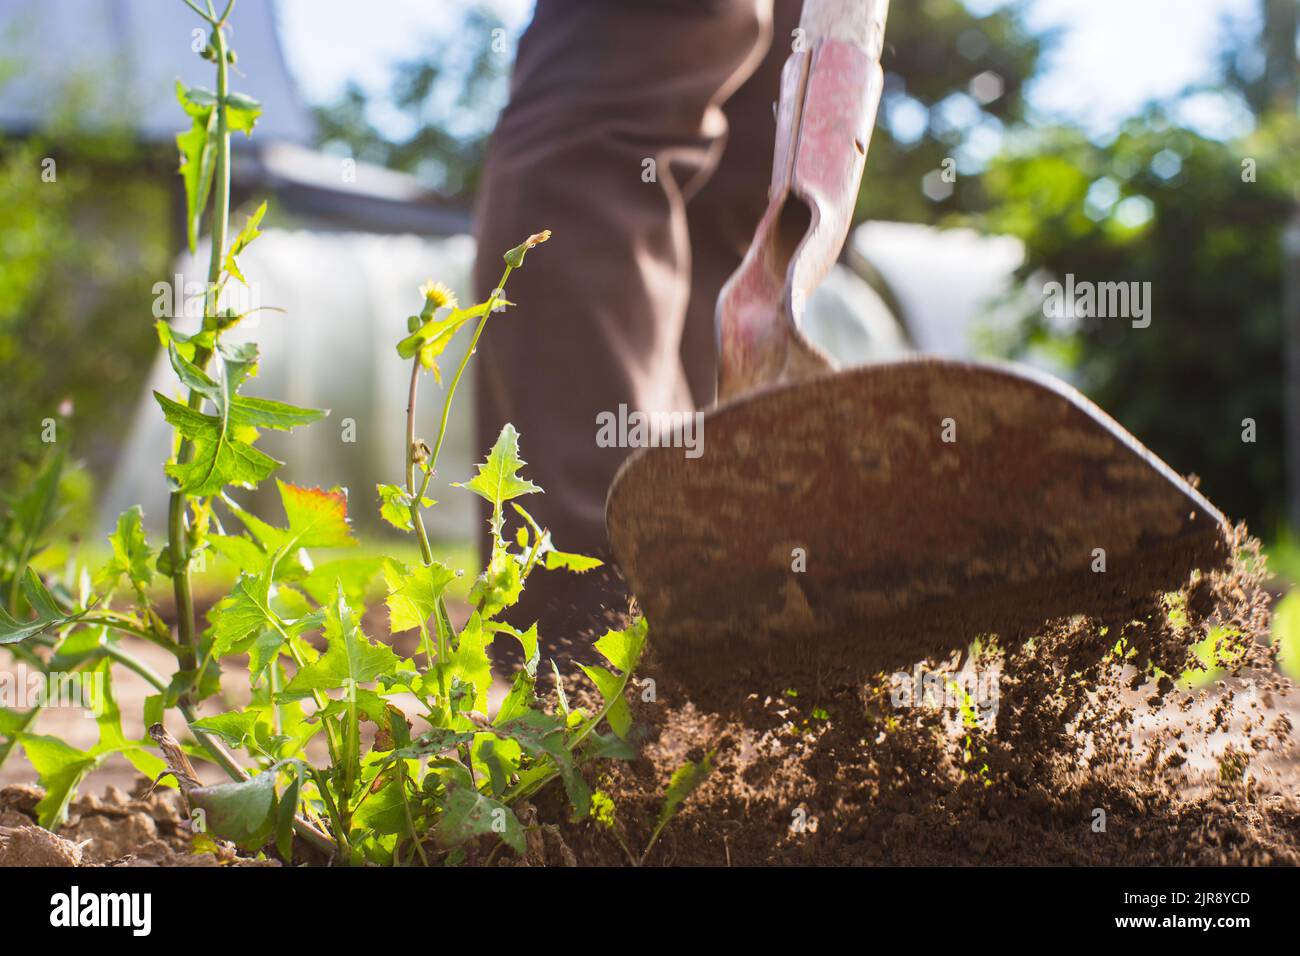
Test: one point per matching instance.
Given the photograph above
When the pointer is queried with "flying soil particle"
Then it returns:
(1097, 754)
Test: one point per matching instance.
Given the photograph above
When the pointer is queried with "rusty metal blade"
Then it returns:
(911, 545)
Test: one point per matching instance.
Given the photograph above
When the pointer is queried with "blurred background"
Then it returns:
(1018, 142)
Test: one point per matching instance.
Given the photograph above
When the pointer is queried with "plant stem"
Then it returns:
(177, 533)
(492, 302)
(220, 755)
(417, 519)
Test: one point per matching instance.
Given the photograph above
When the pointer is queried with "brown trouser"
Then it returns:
(641, 133)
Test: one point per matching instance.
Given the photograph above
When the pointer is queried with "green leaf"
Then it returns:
(353, 574)
(317, 518)
(224, 452)
(383, 812)
(440, 740)
(132, 556)
(466, 814)
(241, 113)
(413, 593)
(246, 236)
(685, 780)
(395, 506)
(1286, 634)
(108, 718)
(498, 478)
(520, 699)
(578, 563)
(61, 768)
(36, 509)
(284, 817)
(431, 339)
(198, 159)
(540, 734)
(611, 688)
(253, 412)
(527, 640)
(239, 551)
(623, 648)
(350, 657)
(242, 812)
(220, 459)
(247, 614)
(235, 727)
(48, 615)
(469, 662)
(499, 586)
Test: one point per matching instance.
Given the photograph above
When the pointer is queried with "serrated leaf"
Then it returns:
(498, 478)
(132, 557)
(395, 506)
(540, 735)
(247, 614)
(220, 459)
(350, 657)
(241, 241)
(467, 814)
(499, 586)
(470, 663)
(520, 699)
(528, 641)
(579, 563)
(623, 648)
(317, 518)
(413, 593)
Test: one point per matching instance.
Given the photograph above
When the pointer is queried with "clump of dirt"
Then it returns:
(115, 829)
(1090, 752)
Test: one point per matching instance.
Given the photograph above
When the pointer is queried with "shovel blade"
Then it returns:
(878, 516)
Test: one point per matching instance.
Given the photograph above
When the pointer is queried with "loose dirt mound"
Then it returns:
(1086, 761)
(116, 829)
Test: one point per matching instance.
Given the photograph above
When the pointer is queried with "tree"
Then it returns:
(1201, 221)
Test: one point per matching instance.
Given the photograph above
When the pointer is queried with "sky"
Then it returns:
(1113, 56)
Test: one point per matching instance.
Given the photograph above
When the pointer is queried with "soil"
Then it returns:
(1082, 762)
(115, 829)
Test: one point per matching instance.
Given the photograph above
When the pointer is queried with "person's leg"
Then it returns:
(614, 120)
(723, 215)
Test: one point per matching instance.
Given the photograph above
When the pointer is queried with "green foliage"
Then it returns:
(1164, 205)
(1286, 634)
(397, 787)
